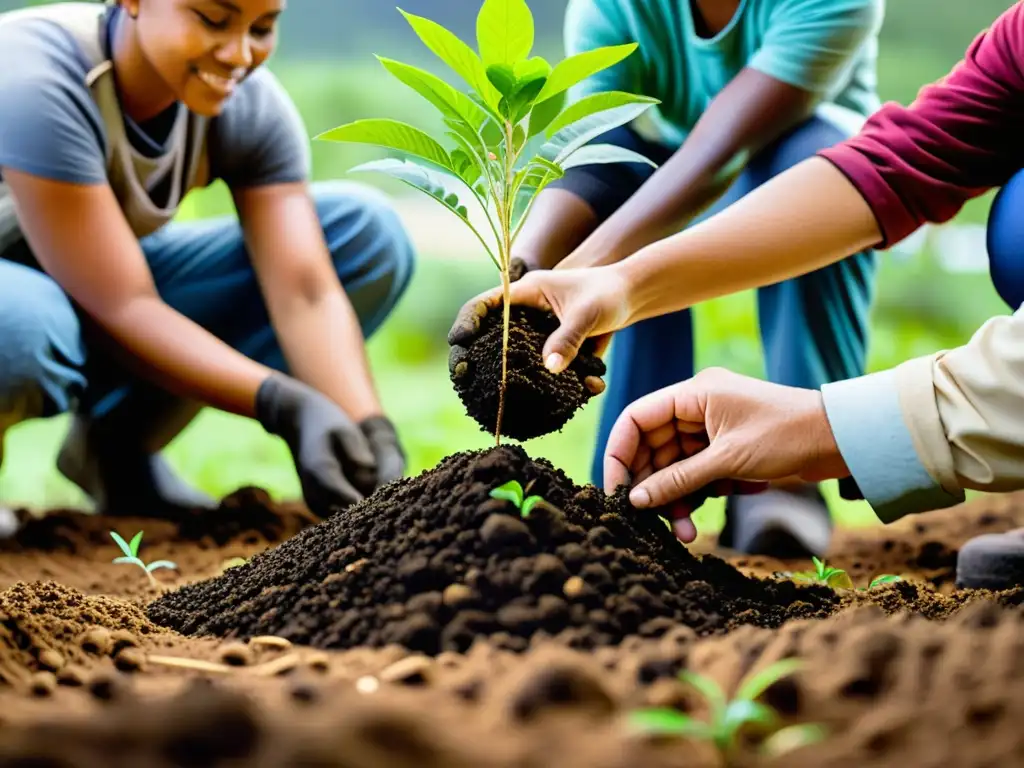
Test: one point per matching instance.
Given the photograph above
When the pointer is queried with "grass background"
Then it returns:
(920, 307)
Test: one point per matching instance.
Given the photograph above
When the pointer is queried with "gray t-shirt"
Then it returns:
(50, 125)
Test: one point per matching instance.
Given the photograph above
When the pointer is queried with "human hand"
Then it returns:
(334, 458)
(719, 433)
(383, 440)
(589, 303)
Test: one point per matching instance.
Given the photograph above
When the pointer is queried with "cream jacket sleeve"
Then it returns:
(917, 436)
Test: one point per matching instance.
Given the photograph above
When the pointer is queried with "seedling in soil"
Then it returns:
(836, 578)
(131, 555)
(515, 101)
(513, 491)
(878, 581)
(728, 718)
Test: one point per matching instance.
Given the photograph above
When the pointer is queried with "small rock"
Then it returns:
(43, 684)
(236, 655)
(356, 566)
(412, 670)
(122, 639)
(501, 530)
(130, 660)
(50, 660)
(367, 684)
(97, 640)
(456, 594)
(573, 587)
(72, 676)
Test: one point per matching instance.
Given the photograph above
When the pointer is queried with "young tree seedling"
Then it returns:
(836, 578)
(131, 555)
(515, 103)
(887, 578)
(727, 718)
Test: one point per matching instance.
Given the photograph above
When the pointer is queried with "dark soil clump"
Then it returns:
(537, 402)
(432, 563)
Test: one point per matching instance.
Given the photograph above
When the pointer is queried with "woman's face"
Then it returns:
(202, 49)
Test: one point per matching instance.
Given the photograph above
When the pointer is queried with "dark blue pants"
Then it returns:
(202, 269)
(814, 328)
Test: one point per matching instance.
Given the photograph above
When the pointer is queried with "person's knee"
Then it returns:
(41, 354)
(1005, 241)
(366, 235)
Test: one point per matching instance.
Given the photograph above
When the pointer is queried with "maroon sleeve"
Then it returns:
(962, 136)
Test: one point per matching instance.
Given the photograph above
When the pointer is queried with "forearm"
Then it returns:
(802, 220)
(558, 222)
(332, 358)
(183, 357)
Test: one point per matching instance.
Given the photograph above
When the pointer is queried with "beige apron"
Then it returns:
(131, 175)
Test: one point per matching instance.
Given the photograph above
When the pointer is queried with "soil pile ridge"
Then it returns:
(432, 562)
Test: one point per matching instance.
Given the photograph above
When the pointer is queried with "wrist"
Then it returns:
(829, 462)
(634, 289)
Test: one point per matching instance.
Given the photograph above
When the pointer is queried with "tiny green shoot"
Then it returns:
(512, 491)
(727, 718)
(836, 578)
(887, 578)
(131, 556)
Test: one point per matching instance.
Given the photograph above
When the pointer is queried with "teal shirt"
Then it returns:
(828, 47)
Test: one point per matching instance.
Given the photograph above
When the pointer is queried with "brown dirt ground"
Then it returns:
(86, 680)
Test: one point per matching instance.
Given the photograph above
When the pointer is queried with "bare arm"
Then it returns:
(318, 328)
(749, 113)
(80, 237)
(558, 222)
(804, 219)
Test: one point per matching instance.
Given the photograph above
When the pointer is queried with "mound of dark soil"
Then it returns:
(432, 563)
(537, 402)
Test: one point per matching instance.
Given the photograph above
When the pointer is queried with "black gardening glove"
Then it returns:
(333, 457)
(467, 322)
(383, 439)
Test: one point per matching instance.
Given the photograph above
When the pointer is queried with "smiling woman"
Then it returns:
(109, 115)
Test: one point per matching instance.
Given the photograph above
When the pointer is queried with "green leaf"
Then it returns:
(502, 78)
(758, 683)
(598, 154)
(819, 566)
(391, 134)
(838, 579)
(434, 183)
(157, 564)
(523, 97)
(504, 31)
(574, 69)
(456, 54)
(122, 544)
(529, 503)
(707, 688)
(510, 491)
(596, 102)
(129, 561)
(135, 543)
(666, 721)
(544, 112)
(452, 103)
(885, 579)
(792, 737)
(574, 136)
(738, 714)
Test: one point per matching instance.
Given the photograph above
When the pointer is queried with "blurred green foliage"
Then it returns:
(919, 308)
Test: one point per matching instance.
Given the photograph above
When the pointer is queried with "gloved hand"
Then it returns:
(334, 458)
(383, 439)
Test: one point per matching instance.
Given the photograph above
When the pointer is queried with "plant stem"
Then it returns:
(505, 248)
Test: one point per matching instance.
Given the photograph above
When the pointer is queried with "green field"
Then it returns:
(220, 452)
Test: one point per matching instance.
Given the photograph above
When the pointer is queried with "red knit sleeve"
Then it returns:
(961, 137)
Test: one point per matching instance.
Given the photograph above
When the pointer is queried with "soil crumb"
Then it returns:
(432, 563)
(537, 402)
(47, 627)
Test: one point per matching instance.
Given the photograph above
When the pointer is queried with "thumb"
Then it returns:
(354, 447)
(679, 480)
(564, 344)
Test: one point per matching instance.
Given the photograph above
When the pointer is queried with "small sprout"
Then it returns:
(131, 556)
(887, 578)
(727, 718)
(836, 578)
(512, 491)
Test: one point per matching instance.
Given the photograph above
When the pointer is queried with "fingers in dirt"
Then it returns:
(467, 321)
(594, 384)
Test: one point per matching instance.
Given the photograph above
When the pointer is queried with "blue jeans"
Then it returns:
(1005, 239)
(202, 269)
(814, 328)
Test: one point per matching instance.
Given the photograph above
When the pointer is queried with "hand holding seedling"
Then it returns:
(589, 303)
(718, 433)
